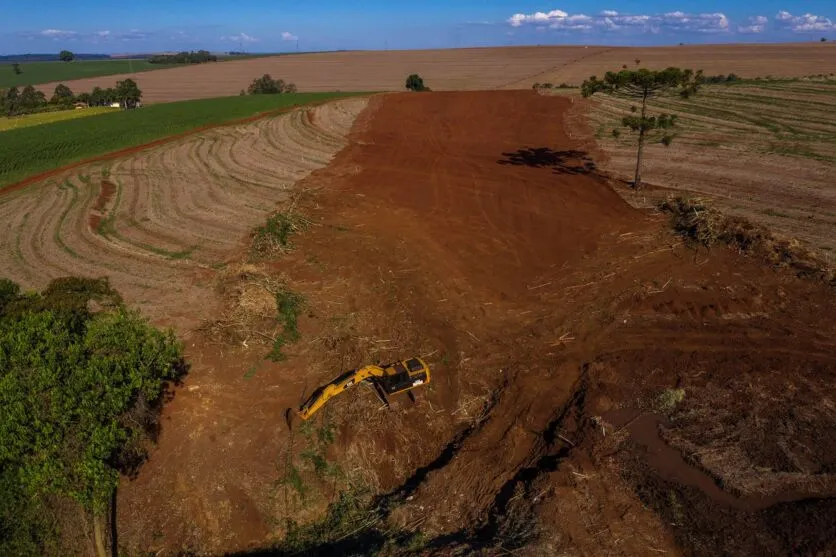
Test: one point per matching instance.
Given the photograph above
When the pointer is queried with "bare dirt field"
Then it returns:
(599, 387)
(466, 69)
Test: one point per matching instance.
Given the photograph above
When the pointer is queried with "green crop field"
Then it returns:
(28, 151)
(35, 73)
(42, 118)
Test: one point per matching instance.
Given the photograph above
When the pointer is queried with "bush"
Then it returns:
(266, 85)
(416, 83)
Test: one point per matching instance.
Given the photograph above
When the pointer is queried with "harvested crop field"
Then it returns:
(469, 68)
(762, 149)
(599, 386)
(151, 220)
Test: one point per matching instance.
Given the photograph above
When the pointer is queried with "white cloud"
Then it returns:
(804, 23)
(58, 34)
(288, 36)
(757, 24)
(613, 20)
(240, 38)
(133, 35)
(539, 18)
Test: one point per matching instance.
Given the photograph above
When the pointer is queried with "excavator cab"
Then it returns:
(405, 375)
(389, 379)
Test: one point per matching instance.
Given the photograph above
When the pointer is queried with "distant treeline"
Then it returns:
(11, 58)
(199, 57)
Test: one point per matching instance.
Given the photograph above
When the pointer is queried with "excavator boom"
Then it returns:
(391, 379)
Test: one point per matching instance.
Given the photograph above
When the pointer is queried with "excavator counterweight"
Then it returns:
(390, 379)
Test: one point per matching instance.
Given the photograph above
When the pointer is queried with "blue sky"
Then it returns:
(277, 25)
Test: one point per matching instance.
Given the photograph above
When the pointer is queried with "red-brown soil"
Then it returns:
(468, 228)
(466, 68)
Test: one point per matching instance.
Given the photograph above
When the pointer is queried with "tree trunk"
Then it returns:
(638, 179)
(98, 536)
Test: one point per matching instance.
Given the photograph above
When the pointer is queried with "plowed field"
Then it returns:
(467, 69)
(149, 220)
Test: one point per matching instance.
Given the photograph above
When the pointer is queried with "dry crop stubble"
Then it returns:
(170, 211)
(764, 150)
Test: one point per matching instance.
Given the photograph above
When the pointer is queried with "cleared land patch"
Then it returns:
(29, 151)
(761, 149)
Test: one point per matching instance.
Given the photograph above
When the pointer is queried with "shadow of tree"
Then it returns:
(562, 162)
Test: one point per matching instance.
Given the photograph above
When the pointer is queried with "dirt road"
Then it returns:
(594, 378)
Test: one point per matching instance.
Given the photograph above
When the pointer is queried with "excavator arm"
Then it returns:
(391, 379)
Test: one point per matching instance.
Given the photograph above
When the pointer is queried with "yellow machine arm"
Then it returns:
(391, 379)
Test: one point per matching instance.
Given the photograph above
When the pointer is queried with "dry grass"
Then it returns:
(764, 150)
(249, 315)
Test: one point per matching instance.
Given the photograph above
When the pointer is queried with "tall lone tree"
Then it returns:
(66, 56)
(642, 85)
(16, 69)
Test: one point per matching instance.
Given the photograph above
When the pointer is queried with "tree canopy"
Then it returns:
(185, 57)
(63, 95)
(643, 85)
(416, 83)
(128, 93)
(80, 391)
(266, 85)
(66, 56)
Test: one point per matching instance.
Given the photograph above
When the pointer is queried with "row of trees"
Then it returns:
(16, 102)
(266, 85)
(185, 57)
(80, 393)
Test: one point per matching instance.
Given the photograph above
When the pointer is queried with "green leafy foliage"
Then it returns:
(81, 384)
(63, 95)
(66, 56)
(289, 306)
(128, 93)
(27, 151)
(185, 57)
(266, 85)
(416, 83)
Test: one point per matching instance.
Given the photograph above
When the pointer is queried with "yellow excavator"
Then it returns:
(388, 379)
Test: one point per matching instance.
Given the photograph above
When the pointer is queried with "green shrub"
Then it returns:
(80, 388)
(416, 83)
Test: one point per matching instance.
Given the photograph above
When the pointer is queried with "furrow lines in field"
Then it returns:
(150, 221)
